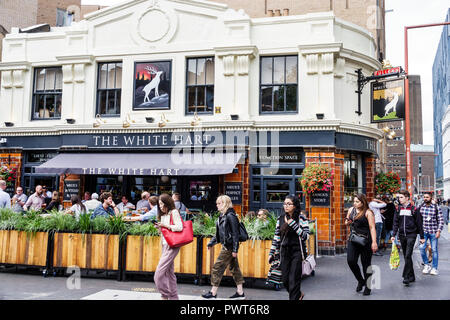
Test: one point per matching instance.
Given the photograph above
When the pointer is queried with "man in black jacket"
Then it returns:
(407, 223)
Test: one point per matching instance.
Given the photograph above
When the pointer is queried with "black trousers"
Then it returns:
(291, 271)
(407, 244)
(354, 251)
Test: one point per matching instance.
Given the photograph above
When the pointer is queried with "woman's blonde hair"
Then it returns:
(227, 201)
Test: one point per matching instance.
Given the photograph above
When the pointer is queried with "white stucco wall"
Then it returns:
(329, 51)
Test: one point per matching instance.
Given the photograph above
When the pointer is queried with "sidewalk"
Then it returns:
(333, 280)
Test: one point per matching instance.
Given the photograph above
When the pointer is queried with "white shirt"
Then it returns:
(92, 204)
(5, 200)
(77, 209)
(121, 206)
(375, 207)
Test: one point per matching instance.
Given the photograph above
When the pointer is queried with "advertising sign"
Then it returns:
(388, 100)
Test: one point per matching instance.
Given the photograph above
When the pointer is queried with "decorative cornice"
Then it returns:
(330, 125)
(77, 59)
(10, 66)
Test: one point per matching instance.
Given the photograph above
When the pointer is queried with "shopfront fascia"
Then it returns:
(248, 181)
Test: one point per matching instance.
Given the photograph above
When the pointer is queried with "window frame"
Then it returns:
(205, 86)
(284, 84)
(107, 90)
(55, 92)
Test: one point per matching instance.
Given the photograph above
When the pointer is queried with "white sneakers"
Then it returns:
(434, 272)
(428, 270)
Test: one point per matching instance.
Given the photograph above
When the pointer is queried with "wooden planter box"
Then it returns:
(20, 248)
(86, 251)
(252, 256)
(143, 253)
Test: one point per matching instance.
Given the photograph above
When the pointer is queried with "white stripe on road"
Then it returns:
(109, 294)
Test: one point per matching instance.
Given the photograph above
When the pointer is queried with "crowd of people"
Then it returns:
(372, 225)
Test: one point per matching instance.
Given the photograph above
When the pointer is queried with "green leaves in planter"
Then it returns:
(144, 229)
(204, 224)
(115, 225)
(59, 221)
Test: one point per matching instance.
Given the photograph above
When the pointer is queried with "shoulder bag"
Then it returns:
(176, 239)
(309, 263)
(356, 238)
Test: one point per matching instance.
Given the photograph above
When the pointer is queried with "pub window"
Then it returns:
(47, 93)
(278, 84)
(109, 88)
(200, 85)
(352, 176)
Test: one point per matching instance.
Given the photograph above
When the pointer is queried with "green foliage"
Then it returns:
(387, 183)
(258, 230)
(144, 229)
(204, 224)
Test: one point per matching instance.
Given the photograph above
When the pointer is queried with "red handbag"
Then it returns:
(176, 239)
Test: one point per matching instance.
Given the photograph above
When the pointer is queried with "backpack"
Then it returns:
(243, 235)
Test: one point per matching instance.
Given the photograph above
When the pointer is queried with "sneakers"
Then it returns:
(209, 295)
(238, 296)
(434, 272)
(426, 269)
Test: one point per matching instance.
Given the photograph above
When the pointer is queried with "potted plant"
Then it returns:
(387, 183)
(9, 175)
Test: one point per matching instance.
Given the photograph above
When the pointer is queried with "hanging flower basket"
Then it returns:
(317, 177)
(387, 183)
(9, 175)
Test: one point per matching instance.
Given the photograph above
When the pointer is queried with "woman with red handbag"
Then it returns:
(165, 279)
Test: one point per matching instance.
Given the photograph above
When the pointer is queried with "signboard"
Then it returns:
(387, 71)
(234, 191)
(388, 100)
(320, 199)
(71, 187)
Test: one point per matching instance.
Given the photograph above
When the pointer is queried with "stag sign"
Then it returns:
(388, 100)
(152, 83)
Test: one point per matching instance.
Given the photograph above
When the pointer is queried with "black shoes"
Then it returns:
(360, 286)
(406, 282)
(238, 296)
(209, 295)
(366, 291)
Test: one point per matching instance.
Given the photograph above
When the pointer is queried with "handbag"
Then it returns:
(309, 263)
(358, 239)
(178, 239)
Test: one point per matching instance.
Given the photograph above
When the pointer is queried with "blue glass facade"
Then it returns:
(441, 98)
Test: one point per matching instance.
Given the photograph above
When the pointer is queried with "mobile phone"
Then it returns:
(154, 221)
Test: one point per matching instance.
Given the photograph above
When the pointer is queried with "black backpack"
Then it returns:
(243, 235)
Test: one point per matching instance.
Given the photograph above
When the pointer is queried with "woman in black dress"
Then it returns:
(362, 222)
(291, 232)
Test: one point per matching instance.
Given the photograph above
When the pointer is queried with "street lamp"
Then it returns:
(407, 126)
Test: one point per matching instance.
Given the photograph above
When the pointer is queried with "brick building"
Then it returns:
(423, 167)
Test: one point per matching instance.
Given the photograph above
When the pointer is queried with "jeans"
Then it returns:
(434, 248)
(379, 229)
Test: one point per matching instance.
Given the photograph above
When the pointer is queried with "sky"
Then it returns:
(422, 44)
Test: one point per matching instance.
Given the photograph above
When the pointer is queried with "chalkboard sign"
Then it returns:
(320, 199)
(234, 191)
(71, 187)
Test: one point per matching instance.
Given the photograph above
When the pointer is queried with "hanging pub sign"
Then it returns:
(152, 84)
(388, 100)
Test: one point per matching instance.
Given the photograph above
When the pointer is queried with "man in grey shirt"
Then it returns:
(5, 199)
(19, 200)
(143, 204)
(36, 200)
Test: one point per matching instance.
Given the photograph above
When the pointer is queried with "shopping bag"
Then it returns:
(394, 261)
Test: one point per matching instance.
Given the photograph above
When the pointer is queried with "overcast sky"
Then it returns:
(422, 43)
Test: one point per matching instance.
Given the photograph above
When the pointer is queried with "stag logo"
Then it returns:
(392, 105)
(153, 84)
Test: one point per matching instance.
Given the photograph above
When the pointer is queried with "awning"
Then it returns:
(148, 164)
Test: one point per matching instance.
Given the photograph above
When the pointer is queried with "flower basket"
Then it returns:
(387, 183)
(9, 175)
(317, 177)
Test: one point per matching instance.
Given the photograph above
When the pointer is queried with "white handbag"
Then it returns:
(309, 263)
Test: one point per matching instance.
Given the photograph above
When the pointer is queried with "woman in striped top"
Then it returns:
(291, 233)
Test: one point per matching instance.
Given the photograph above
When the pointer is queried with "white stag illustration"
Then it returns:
(392, 105)
(154, 84)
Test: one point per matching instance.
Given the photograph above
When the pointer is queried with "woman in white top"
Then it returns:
(77, 207)
(165, 279)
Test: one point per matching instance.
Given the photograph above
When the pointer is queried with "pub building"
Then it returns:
(196, 98)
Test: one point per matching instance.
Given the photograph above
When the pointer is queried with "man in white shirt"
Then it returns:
(143, 204)
(375, 205)
(19, 200)
(36, 200)
(125, 205)
(5, 199)
(93, 203)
